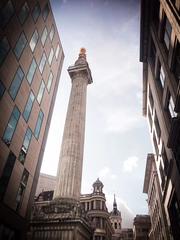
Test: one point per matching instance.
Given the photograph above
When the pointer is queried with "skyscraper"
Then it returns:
(31, 59)
(160, 54)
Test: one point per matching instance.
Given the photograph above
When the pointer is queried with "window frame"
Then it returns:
(41, 92)
(39, 123)
(21, 19)
(34, 40)
(41, 64)
(14, 81)
(29, 71)
(24, 150)
(44, 34)
(36, 7)
(18, 42)
(28, 107)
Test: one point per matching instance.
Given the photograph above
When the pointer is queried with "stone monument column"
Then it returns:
(71, 157)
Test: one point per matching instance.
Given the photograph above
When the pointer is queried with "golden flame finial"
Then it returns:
(83, 51)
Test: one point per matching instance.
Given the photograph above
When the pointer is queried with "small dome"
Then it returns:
(98, 183)
(98, 186)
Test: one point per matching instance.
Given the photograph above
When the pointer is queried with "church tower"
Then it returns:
(71, 157)
(115, 218)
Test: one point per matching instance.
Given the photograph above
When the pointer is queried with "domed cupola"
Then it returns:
(97, 186)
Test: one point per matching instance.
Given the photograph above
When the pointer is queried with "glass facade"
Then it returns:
(24, 12)
(20, 45)
(4, 49)
(10, 128)
(31, 71)
(41, 92)
(34, 40)
(28, 107)
(38, 124)
(25, 146)
(42, 63)
(16, 83)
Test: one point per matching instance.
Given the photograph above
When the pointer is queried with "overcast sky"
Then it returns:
(117, 139)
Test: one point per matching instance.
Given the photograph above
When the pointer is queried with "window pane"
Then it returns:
(2, 89)
(171, 107)
(25, 146)
(50, 58)
(34, 40)
(50, 79)
(38, 124)
(24, 12)
(41, 92)
(16, 83)
(44, 36)
(20, 45)
(176, 66)
(31, 71)
(28, 107)
(36, 12)
(167, 33)
(57, 51)
(51, 35)
(45, 12)
(4, 49)
(6, 13)
(162, 76)
(6, 174)
(8, 134)
(42, 62)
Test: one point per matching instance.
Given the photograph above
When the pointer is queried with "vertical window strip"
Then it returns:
(28, 107)
(42, 63)
(31, 72)
(49, 83)
(34, 40)
(162, 77)
(16, 83)
(36, 12)
(51, 34)
(23, 14)
(25, 146)
(167, 33)
(57, 51)
(12, 123)
(20, 45)
(44, 36)
(38, 124)
(41, 92)
(51, 54)
(45, 12)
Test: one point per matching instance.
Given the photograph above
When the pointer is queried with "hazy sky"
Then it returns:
(117, 139)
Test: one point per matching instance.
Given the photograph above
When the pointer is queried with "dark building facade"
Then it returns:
(31, 59)
(141, 227)
(160, 54)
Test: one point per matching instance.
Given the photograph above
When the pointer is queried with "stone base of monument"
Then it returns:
(59, 219)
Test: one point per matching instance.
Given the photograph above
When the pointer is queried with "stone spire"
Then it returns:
(114, 204)
(69, 172)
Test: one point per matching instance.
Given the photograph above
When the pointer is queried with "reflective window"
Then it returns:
(167, 33)
(34, 40)
(36, 12)
(2, 89)
(50, 58)
(16, 83)
(49, 83)
(38, 124)
(6, 174)
(45, 12)
(25, 146)
(31, 71)
(41, 92)
(21, 190)
(20, 45)
(162, 77)
(28, 107)
(6, 13)
(4, 49)
(42, 63)
(44, 36)
(24, 12)
(57, 51)
(12, 123)
(176, 65)
(171, 107)
(51, 35)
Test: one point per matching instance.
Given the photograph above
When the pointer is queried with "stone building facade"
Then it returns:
(152, 188)
(141, 227)
(160, 54)
(31, 59)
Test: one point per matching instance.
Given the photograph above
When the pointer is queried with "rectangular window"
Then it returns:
(25, 146)
(34, 40)
(16, 83)
(6, 174)
(50, 58)
(28, 107)
(4, 49)
(176, 63)
(171, 107)
(20, 45)
(12, 123)
(151, 101)
(21, 190)
(42, 63)
(6, 13)
(150, 118)
(45, 12)
(157, 127)
(31, 71)
(41, 92)
(2, 89)
(162, 77)
(24, 12)
(152, 54)
(155, 144)
(165, 160)
(51, 35)
(167, 33)
(49, 83)
(57, 51)
(38, 124)
(44, 36)
(36, 12)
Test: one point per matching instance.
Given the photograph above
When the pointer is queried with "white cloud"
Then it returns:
(130, 164)
(104, 172)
